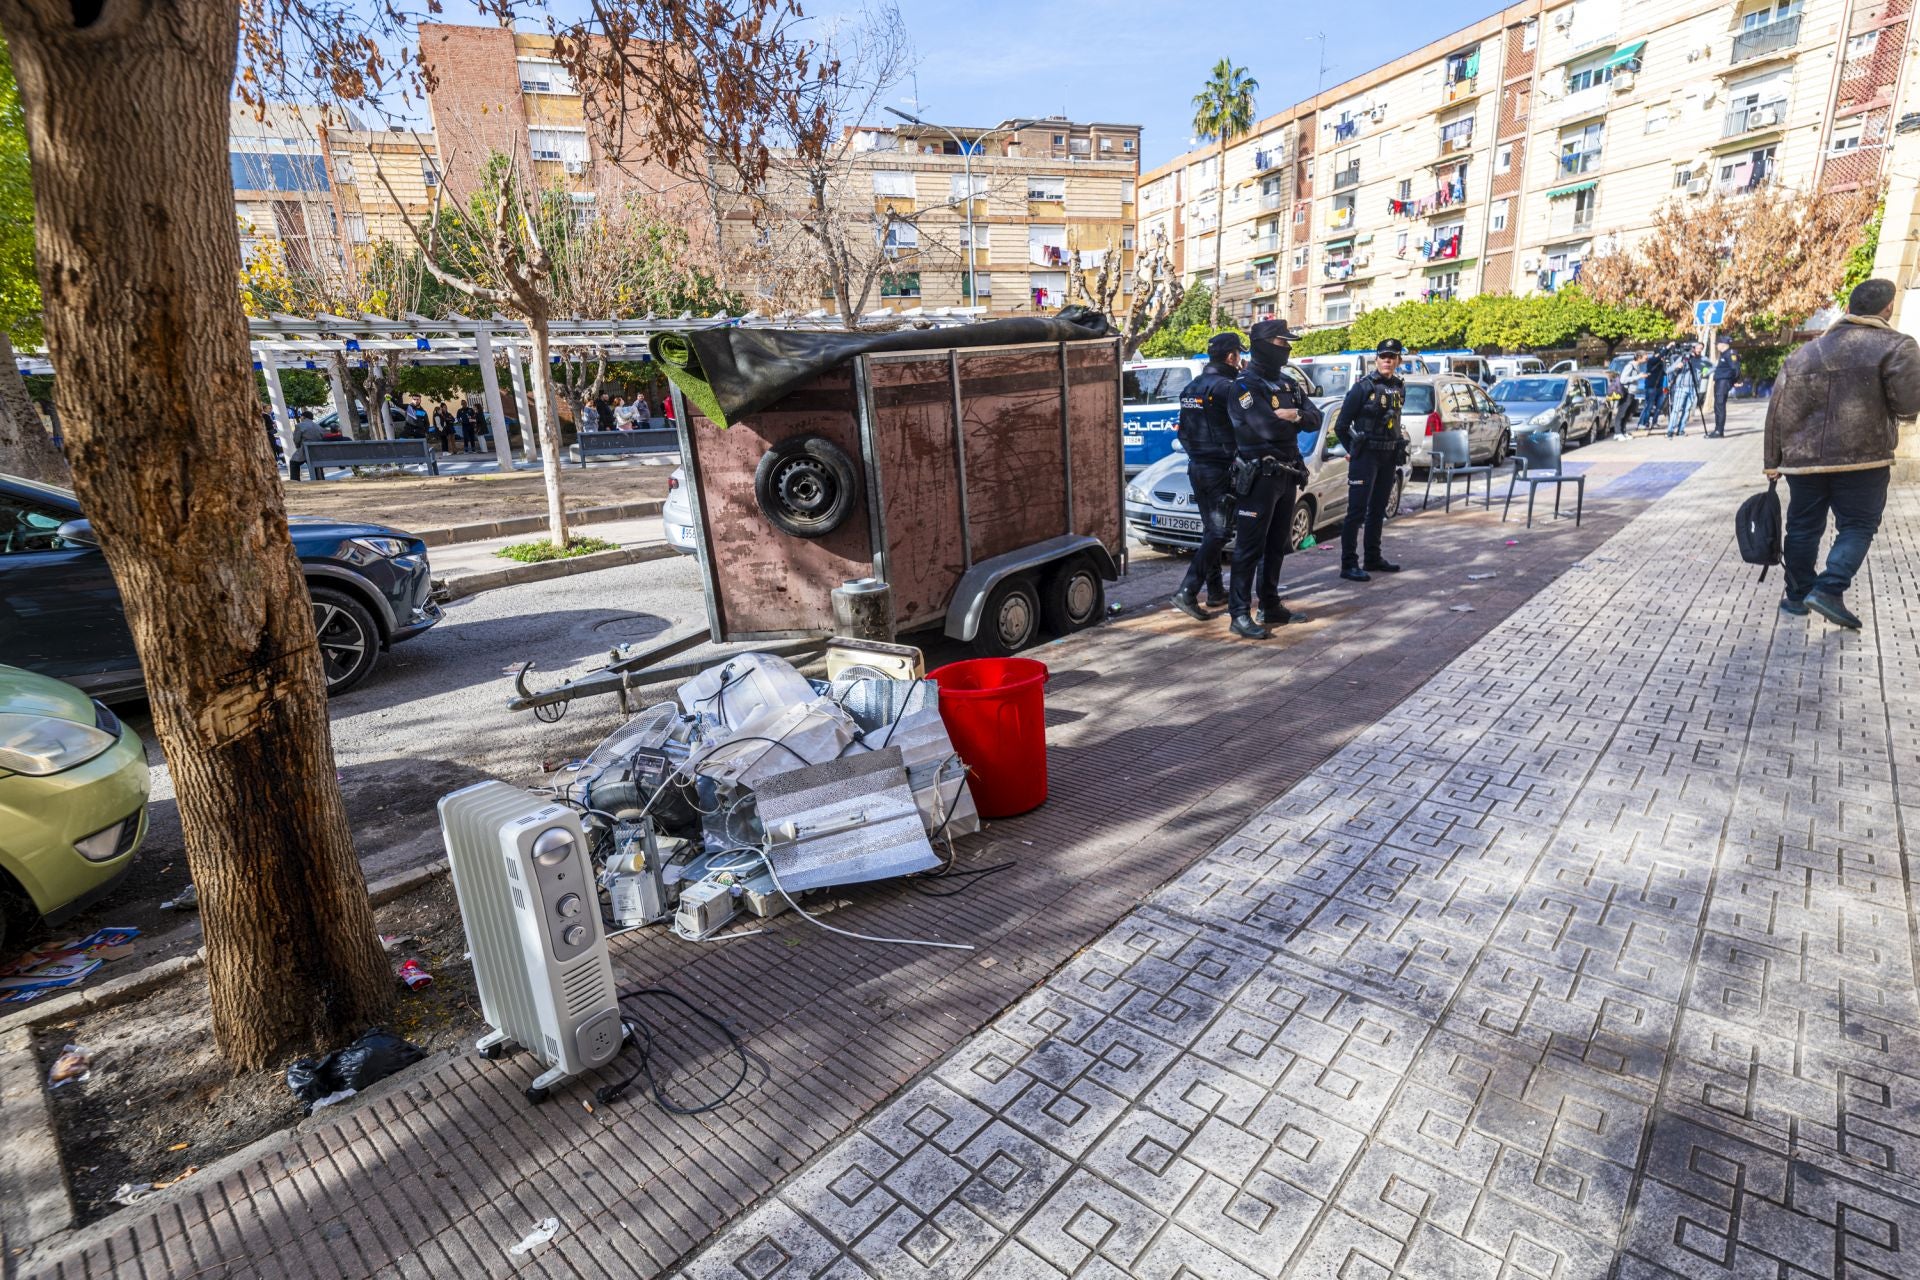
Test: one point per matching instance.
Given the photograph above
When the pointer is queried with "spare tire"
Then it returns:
(807, 486)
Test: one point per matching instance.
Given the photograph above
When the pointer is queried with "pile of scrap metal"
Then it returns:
(759, 786)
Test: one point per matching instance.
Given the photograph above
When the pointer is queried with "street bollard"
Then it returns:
(863, 610)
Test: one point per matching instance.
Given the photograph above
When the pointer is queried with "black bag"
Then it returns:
(1759, 529)
(374, 1056)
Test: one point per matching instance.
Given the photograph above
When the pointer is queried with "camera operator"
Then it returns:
(1269, 411)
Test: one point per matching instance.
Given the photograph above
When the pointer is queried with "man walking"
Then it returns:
(1726, 372)
(1206, 433)
(1832, 425)
(1369, 428)
(1652, 390)
(1269, 411)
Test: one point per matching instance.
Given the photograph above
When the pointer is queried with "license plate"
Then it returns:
(1135, 441)
(1177, 524)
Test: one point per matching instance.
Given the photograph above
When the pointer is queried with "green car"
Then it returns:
(73, 801)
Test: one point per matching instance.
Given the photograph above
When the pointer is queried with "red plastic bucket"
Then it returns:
(995, 710)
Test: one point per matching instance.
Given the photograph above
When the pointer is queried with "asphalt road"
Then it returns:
(432, 717)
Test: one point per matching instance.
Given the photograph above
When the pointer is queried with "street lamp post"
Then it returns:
(966, 165)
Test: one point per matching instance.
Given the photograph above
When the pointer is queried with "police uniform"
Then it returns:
(1267, 454)
(1206, 433)
(1369, 428)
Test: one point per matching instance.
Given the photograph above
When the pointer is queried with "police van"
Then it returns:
(1150, 408)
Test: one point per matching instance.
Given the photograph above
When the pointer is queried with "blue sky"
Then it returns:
(1132, 61)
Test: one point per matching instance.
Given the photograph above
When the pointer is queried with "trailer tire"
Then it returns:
(1074, 597)
(1011, 620)
(806, 486)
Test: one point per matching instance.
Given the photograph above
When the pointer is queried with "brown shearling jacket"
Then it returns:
(1837, 403)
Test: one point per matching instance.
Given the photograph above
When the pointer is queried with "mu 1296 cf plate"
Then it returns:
(1177, 524)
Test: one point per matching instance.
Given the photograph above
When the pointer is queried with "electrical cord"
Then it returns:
(847, 933)
(648, 1039)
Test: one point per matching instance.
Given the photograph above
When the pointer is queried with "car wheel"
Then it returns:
(349, 640)
(1393, 499)
(1011, 620)
(1500, 448)
(1302, 523)
(1074, 596)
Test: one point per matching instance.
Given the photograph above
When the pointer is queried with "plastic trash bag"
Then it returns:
(374, 1056)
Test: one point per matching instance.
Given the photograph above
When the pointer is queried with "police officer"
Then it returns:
(1369, 427)
(1206, 433)
(1269, 411)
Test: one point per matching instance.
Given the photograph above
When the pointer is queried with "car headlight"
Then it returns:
(390, 548)
(1543, 419)
(1136, 494)
(41, 745)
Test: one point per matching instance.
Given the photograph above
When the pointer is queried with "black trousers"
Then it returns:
(1262, 536)
(1214, 502)
(1370, 477)
(1721, 390)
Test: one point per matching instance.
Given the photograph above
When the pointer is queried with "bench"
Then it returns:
(318, 455)
(597, 444)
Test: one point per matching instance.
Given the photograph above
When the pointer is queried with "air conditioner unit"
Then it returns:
(1622, 81)
(576, 167)
(1696, 186)
(1763, 118)
(531, 910)
(1563, 19)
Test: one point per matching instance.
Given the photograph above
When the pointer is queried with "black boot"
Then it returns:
(1216, 596)
(1183, 601)
(1278, 615)
(1830, 608)
(1354, 573)
(1245, 627)
(1380, 564)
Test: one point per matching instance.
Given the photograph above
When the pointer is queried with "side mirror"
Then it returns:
(77, 533)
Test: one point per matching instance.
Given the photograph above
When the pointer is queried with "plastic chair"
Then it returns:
(1536, 460)
(1448, 457)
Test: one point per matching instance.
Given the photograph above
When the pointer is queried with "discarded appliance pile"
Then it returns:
(760, 786)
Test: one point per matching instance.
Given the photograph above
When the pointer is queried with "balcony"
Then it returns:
(1456, 143)
(1759, 115)
(1272, 200)
(1576, 162)
(1265, 161)
(1346, 129)
(1347, 177)
(1749, 176)
(1267, 243)
(1590, 101)
(1460, 90)
(1758, 42)
(1341, 218)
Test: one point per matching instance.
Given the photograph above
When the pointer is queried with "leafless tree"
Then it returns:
(1156, 288)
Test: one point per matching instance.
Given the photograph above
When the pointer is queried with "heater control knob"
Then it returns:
(575, 934)
(568, 906)
(552, 848)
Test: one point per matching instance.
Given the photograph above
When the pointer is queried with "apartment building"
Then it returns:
(1041, 191)
(381, 178)
(1502, 157)
(281, 187)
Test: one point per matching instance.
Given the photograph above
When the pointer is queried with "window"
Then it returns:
(1047, 288)
(984, 281)
(1745, 172)
(1503, 159)
(429, 174)
(890, 182)
(902, 235)
(1337, 309)
(343, 168)
(1847, 137)
(1126, 191)
(1047, 246)
(29, 526)
(1464, 65)
(259, 171)
(1657, 121)
(1406, 189)
(900, 284)
(1682, 175)
(1766, 15)
(1458, 132)
(1126, 237)
(1572, 214)
(564, 145)
(1862, 46)
(543, 75)
(1500, 215)
(1580, 147)
(1161, 385)
(1106, 144)
(1299, 215)
(1400, 244)
(1126, 144)
(1530, 34)
(957, 186)
(584, 207)
(1059, 139)
(357, 227)
(1299, 257)
(1589, 73)
(1051, 190)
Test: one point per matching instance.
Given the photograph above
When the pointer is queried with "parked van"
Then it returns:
(1335, 374)
(1461, 364)
(1150, 408)
(1515, 366)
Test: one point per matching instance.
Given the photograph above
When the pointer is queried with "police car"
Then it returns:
(1150, 408)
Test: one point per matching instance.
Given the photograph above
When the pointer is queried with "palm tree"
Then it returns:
(1223, 110)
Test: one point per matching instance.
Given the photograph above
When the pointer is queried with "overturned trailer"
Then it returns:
(976, 471)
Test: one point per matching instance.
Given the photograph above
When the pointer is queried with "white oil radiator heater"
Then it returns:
(532, 916)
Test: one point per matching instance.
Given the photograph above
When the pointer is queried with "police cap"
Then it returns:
(1390, 347)
(1272, 331)
(1222, 345)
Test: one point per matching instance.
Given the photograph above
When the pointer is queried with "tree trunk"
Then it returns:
(538, 372)
(133, 216)
(26, 450)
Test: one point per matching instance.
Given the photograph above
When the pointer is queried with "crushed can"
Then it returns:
(415, 975)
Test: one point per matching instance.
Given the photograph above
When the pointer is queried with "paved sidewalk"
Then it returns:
(1594, 957)
(1165, 738)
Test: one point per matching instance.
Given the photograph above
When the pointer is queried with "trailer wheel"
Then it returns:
(1011, 620)
(1074, 597)
(806, 486)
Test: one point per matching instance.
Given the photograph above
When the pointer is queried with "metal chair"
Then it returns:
(1536, 459)
(1448, 457)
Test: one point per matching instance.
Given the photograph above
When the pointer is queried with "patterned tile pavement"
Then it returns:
(1595, 957)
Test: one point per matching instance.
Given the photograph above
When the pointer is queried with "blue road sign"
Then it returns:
(1710, 313)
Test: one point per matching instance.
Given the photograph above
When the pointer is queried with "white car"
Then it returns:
(677, 515)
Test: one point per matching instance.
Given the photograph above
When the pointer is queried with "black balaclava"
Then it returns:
(1270, 358)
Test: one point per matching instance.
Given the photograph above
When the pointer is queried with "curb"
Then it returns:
(474, 583)
(34, 1202)
(485, 529)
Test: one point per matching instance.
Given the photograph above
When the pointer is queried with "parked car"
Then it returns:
(60, 608)
(1150, 422)
(1559, 402)
(73, 801)
(1450, 402)
(1464, 364)
(1161, 512)
(677, 515)
(1514, 366)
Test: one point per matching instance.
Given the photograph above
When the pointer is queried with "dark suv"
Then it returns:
(60, 610)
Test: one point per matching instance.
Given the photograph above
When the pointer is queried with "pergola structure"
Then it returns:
(327, 342)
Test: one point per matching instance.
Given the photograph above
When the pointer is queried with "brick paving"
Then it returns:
(1166, 740)
(1593, 957)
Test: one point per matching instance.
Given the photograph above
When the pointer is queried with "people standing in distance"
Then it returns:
(1369, 428)
(1206, 433)
(1683, 376)
(1269, 412)
(1832, 425)
(1726, 372)
(1653, 390)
